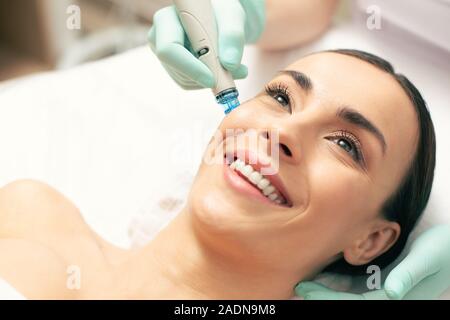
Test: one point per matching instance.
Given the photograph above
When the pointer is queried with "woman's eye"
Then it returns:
(280, 94)
(352, 148)
(344, 144)
(281, 99)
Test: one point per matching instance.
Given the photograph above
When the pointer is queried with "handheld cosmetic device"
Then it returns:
(199, 23)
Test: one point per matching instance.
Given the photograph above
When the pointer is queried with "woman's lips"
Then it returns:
(262, 164)
(247, 179)
(244, 187)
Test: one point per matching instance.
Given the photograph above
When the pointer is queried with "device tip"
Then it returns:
(230, 105)
(228, 99)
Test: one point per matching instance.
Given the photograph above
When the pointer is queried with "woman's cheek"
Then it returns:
(337, 193)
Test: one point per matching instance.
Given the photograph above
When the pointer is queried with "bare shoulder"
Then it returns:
(34, 210)
(43, 235)
(35, 270)
(29, 209)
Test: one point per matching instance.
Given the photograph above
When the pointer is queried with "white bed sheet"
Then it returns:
(109, 134)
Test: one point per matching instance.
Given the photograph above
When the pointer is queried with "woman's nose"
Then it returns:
(265, 134)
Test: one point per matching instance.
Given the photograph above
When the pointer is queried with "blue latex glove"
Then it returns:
(238, 22)
(423, 274)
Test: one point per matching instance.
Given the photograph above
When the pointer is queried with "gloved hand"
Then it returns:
(311, 290)
(238, 22)
(423, 274)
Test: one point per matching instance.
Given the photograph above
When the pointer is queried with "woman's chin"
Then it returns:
(221, 205)
(212, 209)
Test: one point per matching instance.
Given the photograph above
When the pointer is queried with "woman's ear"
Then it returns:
(375, 242)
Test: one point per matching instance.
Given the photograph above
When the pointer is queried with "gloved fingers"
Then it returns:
(310, 290)
(322, 295)
(427, 265)
(305, 287)
(375, 295)
(255, 19)
(170, 48)
(315, 291)
(183, 81)
(240, 73)
(151, 37)
(429, 288)
(230, 17)
(408, 273)
(189, 84)
(168, 28)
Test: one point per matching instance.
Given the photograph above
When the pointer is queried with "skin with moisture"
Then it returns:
(227, 243)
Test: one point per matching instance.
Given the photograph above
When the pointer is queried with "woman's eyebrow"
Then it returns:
(300, 78)
(356, 118)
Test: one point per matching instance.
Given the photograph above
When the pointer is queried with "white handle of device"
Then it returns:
(199, 23)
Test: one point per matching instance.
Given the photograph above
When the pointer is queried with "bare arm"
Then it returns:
(291, 23)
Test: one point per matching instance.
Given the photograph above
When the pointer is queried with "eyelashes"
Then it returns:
(344, 139)
(350, 143)
(280, 93)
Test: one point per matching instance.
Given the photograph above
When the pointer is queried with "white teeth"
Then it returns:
(247, 170)
(257, 179)
(268, 190)
(263, 183)
(239, 164)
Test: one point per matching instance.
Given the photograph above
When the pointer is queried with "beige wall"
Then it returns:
(21, 27)
(36, 28)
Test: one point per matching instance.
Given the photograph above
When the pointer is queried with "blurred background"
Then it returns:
(34, 36)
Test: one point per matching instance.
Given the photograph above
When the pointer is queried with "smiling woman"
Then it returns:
(335, 182)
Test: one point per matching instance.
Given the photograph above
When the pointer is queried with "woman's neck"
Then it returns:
(181, 264)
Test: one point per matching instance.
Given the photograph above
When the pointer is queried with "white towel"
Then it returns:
(8, 292)
(159, 209)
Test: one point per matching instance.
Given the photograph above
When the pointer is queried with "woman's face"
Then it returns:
(343, 132)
